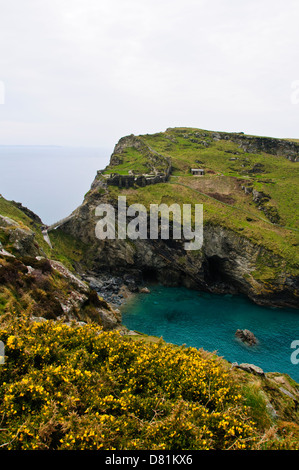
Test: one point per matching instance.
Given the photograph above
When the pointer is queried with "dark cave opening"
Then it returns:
(150, 275)
(215, 270)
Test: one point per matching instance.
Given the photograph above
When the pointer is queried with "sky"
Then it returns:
(87, 72)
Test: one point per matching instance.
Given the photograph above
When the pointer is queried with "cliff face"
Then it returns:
(243, 252)
(227, 262)
(35, 284)
(253, 144)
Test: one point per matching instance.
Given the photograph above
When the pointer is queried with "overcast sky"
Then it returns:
(87, 72)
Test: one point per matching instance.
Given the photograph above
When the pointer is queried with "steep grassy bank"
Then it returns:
(39, 280)
(77, 387)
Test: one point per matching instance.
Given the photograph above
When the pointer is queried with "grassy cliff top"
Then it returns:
(250, 185)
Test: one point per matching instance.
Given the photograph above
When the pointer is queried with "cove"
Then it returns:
(209, 321)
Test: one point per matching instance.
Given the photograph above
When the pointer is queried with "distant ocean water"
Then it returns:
(209, 321)
(49, 180)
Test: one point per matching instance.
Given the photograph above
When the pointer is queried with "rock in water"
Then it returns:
(246, 336)
(145, 290)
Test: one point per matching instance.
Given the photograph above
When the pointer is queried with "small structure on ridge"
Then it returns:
(197, 171)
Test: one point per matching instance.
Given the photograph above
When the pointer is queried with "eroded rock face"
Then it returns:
(22, 239)
(225, 264)
(83, 304)
(252, 144)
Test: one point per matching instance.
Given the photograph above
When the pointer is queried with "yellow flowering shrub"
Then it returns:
(78, 387)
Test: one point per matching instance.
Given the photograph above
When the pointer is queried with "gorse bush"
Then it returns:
(77, 387)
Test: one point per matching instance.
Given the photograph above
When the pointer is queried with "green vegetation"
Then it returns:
(272, 223)
(66, 249)
(132, 159)
(77, 387)
(276, 175)
(280, 241)
(35, 295)
(9, 209)
(29, 284)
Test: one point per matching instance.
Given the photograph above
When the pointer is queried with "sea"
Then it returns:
(210, 321)
(49, 180)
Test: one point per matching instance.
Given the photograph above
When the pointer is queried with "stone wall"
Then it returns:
(159, 166)
(127, 181)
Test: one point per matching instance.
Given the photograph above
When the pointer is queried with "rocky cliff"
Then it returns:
(225, 263)
(33, 280)
(233, 258)
(254, 144)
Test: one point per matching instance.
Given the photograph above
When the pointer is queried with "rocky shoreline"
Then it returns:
(116, 290)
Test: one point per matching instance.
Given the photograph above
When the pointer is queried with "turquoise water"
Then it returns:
(209, 321)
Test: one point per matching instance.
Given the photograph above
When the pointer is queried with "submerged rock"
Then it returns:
(246, 336)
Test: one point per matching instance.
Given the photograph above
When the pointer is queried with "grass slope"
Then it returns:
(228, 169)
